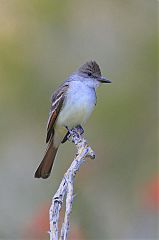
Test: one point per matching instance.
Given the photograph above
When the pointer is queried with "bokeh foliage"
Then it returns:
(41, 43)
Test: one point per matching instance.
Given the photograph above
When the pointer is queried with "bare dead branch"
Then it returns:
(67, 188)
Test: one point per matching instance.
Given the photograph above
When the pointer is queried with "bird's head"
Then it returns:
(91, 71)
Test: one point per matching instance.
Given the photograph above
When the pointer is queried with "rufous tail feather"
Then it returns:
(44, 169)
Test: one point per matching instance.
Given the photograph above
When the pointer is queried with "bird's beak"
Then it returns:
(104, 80)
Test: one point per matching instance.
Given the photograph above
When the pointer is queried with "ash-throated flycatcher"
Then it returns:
(71, 105)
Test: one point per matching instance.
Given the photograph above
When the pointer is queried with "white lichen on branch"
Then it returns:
(66, 188)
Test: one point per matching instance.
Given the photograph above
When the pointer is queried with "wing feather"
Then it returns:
(56, 104)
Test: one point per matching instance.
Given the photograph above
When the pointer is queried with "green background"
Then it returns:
(41, 43)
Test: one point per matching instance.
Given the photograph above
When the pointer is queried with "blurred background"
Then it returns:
(41, 43)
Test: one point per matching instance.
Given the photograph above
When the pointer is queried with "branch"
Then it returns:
(66, 188)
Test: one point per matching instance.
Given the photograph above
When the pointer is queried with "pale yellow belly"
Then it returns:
(78, 106)
(74, 114)
(70, 117)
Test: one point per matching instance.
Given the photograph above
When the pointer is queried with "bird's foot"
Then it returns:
(67, 137)
(78, 130)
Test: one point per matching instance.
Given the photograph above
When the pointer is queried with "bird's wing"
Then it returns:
(56, 104)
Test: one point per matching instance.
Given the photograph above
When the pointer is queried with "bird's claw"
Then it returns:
(77, 130)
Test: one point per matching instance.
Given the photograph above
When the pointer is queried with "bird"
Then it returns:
(71, 106)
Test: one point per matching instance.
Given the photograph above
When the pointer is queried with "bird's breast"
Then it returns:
(78, 106)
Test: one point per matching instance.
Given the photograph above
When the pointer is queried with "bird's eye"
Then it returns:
(89, 74)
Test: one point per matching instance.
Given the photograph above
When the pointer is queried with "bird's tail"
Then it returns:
(44, 169)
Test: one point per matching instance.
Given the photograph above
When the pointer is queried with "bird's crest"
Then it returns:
(90, 67)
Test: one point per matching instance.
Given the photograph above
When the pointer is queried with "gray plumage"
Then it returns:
(71, 105)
